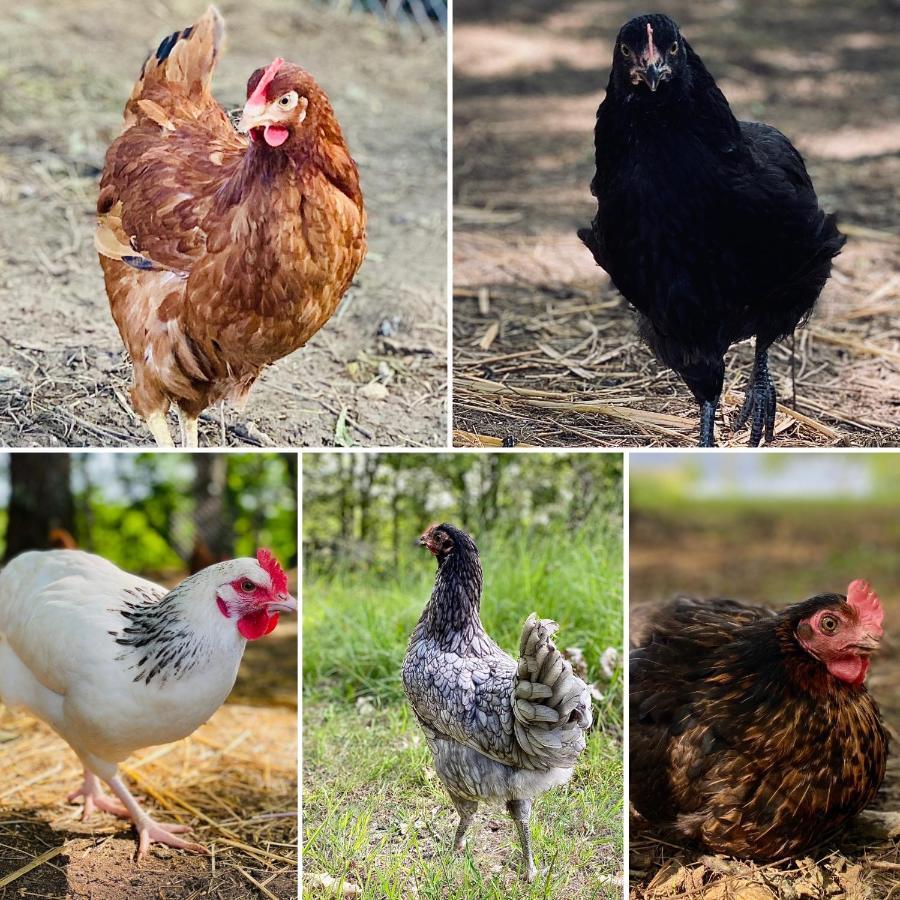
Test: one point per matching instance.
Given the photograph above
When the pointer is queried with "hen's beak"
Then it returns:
(284, 603)
(651, 76)
(253, 116)
(869, 644)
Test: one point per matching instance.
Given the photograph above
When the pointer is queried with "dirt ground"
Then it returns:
(67, 69)
(545, 350)
(234, 781)
(774, 558)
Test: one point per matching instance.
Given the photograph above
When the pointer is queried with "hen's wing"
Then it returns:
(466, 698)
(176, 148)
(686, 619)
(531, 715)
(55, 606)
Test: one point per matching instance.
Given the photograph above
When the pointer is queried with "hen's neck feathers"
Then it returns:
(693, 102)
(767, 658)
(453, 610)
(167, 635)
(323, 153)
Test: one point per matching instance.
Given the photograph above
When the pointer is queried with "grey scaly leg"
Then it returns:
(466, 810)
(520, 810)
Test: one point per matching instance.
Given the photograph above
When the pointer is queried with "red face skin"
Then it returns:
(843, 637)
(256, 605)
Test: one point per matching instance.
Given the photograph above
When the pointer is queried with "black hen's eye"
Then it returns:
(828, 624)
(673, 49)
(626, 51)
(248, 587)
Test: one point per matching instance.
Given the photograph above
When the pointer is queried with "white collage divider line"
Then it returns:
(449, 404)
(626, 617)
(300, 573)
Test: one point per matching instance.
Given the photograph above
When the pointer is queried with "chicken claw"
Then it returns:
(95, 798)
(148, 829)
(163, 833)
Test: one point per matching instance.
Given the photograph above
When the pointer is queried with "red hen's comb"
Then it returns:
(651, 50)
(865, 601)
(273, 570)
(258, 97)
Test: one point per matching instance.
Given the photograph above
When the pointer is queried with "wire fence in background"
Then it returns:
(428, 16)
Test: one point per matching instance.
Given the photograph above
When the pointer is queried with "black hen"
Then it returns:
(708, 226)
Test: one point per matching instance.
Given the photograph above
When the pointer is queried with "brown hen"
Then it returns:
(752, 732)
(222, 254)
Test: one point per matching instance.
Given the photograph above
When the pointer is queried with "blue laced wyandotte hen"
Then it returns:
(499, 730)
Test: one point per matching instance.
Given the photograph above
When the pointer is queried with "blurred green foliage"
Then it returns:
(549, 532)
(140, 510)
(366, 512)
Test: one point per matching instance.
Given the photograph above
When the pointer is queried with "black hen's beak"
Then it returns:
(652, 77)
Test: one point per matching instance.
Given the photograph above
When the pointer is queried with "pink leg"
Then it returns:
(149, 830)
(95, 798)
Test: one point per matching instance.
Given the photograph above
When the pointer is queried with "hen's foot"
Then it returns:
(163, 833)
(759, 400)
(707, 424)
(147, 828)
(758, 407)
(95, 798)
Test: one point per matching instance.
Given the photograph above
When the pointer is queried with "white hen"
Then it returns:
(114, 663)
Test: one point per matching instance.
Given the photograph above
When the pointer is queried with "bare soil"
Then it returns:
(545, 350)
(67, 69)
(775, 557)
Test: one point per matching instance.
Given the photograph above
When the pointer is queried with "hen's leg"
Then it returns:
(189, 432)
(156, 422)
(708, 423)
(95, 798)
(466, 810)
(149, 830)
(759, 399)
(520, 810)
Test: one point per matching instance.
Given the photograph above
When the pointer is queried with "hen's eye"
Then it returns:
(828, 624)
(289, 100)
(626, 51)
(674, 48)
(248, 587)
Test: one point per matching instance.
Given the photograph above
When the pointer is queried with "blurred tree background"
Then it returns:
(364, 513)
(156, 514)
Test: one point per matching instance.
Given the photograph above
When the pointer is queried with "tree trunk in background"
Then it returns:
(366, 483)
(491, 473)
(214, 535)
(41, 507)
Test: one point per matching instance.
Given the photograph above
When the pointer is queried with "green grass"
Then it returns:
(375, 813)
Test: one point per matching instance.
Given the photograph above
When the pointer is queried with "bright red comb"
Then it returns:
(258, 97)
(865, 601)
(651, 50)
(273, 570)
